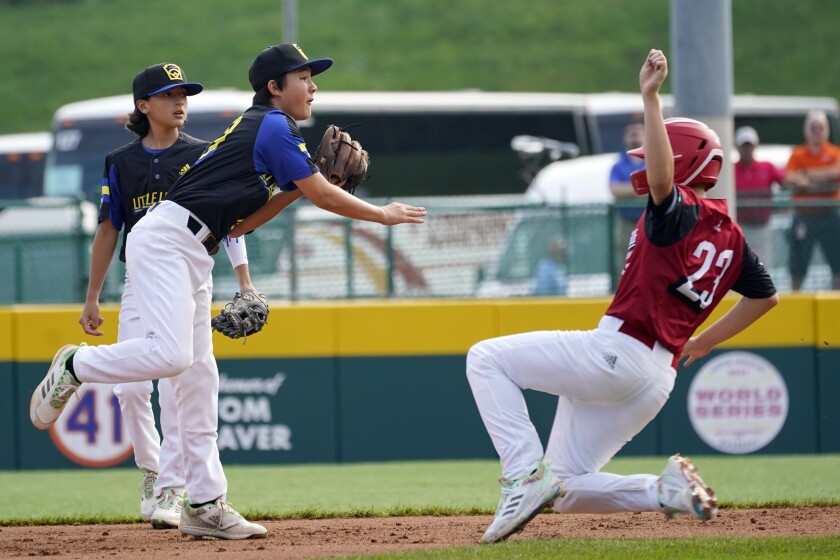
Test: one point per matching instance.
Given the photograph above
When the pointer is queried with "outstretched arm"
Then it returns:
(266, 213)
(327, 196)
(659, 158)
(743, 314)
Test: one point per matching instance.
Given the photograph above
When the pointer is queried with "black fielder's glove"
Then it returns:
(246, 314)
(341, 159)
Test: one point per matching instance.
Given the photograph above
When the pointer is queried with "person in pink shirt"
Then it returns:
(754, 186)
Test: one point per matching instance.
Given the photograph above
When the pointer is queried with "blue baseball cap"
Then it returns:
(162, 77)
(277, 60)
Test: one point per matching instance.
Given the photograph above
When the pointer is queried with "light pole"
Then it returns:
(290, 21)
(702, 75)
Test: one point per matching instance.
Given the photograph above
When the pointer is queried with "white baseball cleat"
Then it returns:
(217, 519)
(683, 492)
(148, 502)
(51, 395)
(167, 513)
(522, 500)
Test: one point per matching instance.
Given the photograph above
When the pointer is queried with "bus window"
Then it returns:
(782, 129)
(21, 175)
(610, 130)
(778, 119)
(22, 158)
(437, 143)
(437, 153)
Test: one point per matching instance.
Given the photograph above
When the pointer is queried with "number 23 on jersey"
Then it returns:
(690, 290)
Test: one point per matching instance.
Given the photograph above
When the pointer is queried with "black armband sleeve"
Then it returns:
(755, 281)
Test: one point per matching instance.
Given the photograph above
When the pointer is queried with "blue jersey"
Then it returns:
(235, 176)
(136, 177)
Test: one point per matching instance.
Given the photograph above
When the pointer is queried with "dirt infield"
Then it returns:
(331, 538)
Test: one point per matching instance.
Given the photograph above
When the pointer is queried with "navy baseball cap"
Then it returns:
(162, 77)
(277, 60)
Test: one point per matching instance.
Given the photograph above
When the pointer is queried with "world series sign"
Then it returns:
(738, 402)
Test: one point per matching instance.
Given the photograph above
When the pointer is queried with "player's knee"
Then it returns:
(140, 390)
(173, 359)
(180, 361)
(475, 357)
(170, 356)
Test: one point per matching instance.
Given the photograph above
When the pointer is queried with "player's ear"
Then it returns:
(274, 88)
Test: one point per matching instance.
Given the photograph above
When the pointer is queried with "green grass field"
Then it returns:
(637, 549)
(446, 488)
(405, 488)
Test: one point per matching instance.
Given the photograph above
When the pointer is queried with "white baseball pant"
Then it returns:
(150, 453)
(170, 273)
(609, 386)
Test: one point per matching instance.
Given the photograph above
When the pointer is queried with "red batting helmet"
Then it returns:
(698, 155)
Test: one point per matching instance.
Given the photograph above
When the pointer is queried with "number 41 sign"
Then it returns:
(90, 431)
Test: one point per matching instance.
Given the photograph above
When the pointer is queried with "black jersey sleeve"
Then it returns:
(754, 281)
(670, 221)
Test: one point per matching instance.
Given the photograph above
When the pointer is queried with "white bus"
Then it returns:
(421, 143)
(22, 158)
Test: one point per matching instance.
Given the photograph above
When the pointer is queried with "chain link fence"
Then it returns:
(469, 247)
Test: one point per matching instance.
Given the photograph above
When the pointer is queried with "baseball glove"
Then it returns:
(246, 314)
(342, 159)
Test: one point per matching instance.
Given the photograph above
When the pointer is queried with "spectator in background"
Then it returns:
(754, 184)
(813, 173)
(550, 277)
(622, 190)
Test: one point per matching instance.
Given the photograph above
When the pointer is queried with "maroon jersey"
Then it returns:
(684, 256)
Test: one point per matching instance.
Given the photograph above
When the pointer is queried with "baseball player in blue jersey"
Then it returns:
(136, 176)
(261, 157)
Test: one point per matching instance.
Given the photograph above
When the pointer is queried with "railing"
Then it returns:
(469, 247)
(44, 250)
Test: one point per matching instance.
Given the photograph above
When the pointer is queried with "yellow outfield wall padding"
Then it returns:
(293, 330)
(792, 323)
(7, 338)
(537, 314)
(408, 327)
(41, 330)
(828, 320)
